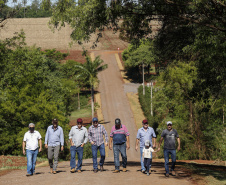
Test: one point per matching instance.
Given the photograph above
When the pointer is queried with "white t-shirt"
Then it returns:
(31, 140)
(147, 152)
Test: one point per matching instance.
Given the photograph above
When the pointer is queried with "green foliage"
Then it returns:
(34, 87)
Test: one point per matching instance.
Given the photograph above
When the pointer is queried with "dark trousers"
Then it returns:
(147, 162)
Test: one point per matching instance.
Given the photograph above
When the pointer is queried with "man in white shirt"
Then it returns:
(78, 136)
(31, 140)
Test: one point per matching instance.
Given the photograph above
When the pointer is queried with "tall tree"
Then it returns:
(90, 69)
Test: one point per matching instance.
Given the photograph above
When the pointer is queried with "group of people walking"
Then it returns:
(97, 135)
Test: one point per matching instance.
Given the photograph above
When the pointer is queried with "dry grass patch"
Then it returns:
(136, 109)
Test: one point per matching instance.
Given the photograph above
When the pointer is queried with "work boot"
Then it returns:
(95, 170)
(72, 170)
(116, 171)
(124, 170)
(28, 174)
(101, 168)
(79, 171)
(54, 172)
(167, 175)
(173, 173)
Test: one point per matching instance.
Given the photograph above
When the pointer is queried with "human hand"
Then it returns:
(46, 145)
(154, 146)
(110, 147)
(92, 143)
(158, 149)
(128, 147)
(24, 152)
(106, 144)
(178, 148)
(62, 148)
(82, 145)
(40, 149)
(136, 148)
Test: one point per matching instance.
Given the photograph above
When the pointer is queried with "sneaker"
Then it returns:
(173, 173)
(101, 168)
(148, 174)
(72, 170)
(79, 171)
(167, 175)
(54, 172)
(124, 170)
(143, 171)
(116, 171)
(95, 170)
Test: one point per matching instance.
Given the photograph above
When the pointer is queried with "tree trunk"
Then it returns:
(78, 102)
(92, 101)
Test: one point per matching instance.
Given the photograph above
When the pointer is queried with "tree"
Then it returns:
(89, 70)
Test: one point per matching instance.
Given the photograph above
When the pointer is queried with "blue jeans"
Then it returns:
(147, 162)
(141, 160)
(102, 155)
(79, 151)
(122, 149)
(166, 157)
(31, 160)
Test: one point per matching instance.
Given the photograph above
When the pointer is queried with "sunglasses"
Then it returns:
(79, 123)
(169, 125)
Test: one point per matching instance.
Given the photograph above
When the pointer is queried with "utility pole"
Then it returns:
(143, 77)
(151, 98)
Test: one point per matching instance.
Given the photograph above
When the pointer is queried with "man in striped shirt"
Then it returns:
(120, 137)
(95, 135)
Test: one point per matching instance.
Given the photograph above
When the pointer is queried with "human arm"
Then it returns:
(178, 140)
(72, 144)
(23, 145)
(40, 145)
(70, 137)
(62, 139)
(90, 135)
(127, 143)
(105, 136)
(110, 143)
(160, 142)
(46, 139)
(137, 142)
(86, 138)
(154, 142)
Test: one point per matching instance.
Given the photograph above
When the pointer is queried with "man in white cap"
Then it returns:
(169, 135)
(31, 140)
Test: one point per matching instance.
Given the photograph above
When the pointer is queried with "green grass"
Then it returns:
(212, 175)
(82, 113)
(13, 167)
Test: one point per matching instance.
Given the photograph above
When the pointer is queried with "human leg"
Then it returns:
(102, 154)
(141, 159)
(166, 157)
(94, 154)
(29, 161)
(122, 149)
(56, 156)
(173, 157)
(34, 158)
(80, 156)
(50, 156)
(116, 156)
(73, 154)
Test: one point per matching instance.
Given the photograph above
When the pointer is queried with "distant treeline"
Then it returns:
(35, 10)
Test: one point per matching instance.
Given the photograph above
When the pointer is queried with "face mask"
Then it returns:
(32, 129)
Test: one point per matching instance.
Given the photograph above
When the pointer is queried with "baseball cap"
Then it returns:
(79, 120)
(117, 121)
(31, 124)
(147, 143)
(55, 120)
(169, 122)
(145, 121)
(95, 119)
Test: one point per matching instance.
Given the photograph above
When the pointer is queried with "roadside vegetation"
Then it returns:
(36, 87)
